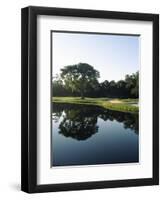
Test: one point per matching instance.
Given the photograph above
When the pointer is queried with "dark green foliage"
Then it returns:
(132, 84)
(82, 80)
(79, 77)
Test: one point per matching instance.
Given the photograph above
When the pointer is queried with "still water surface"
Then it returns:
(90, 135)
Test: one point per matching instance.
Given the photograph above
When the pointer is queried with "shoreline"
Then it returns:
(122, 105)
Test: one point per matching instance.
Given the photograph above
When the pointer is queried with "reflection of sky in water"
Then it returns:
(112, 143)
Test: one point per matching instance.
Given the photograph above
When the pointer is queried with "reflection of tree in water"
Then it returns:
(80, 121)
(56, 116)
(129, 120)
(78, 124)
(132, 123)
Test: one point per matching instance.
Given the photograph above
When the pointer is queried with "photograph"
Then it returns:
(95, 98)
(89, 99)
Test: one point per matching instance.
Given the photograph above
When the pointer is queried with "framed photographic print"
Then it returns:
(90, 99)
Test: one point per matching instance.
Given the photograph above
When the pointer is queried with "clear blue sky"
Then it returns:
(113, 56)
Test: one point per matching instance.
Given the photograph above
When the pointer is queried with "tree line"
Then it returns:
(82, 80)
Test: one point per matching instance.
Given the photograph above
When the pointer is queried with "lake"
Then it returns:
(90, 135)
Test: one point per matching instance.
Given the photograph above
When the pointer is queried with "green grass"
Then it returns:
(124, 105)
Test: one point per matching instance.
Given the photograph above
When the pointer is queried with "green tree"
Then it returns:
(132, 84)
(79, 77)
(57, 86)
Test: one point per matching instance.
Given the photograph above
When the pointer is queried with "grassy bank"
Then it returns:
(125, 105)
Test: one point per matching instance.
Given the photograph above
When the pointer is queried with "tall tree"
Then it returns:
(79, 77)
(132, 83)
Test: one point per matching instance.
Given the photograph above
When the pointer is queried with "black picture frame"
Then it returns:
(29, 99)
